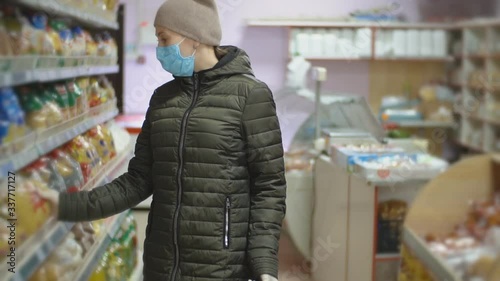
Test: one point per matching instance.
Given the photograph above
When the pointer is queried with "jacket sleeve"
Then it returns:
(123, 193)
(267, 177)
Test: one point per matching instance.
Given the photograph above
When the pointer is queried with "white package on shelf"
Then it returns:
(346, 45)
(363, 42)
(413, 41)
(440, 43)
(329, 43)
(399, 43)
(382, 46)
(316, 44)
(426, 43)
(302, 41)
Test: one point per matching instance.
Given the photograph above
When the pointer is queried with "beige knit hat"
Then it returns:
(196, 19)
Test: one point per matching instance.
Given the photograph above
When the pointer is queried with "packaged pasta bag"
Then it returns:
(86, 154)
(42, 40)
(69, 169)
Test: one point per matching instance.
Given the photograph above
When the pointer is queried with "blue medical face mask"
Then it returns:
(172, 61)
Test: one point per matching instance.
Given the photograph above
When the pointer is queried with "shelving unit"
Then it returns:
(97, 251)
(442, 205)
(478, 72)
(433, 263)
(31, 69)
(91, 17)
(347, 213)
(8, 79)
(424, 124)
(363, 41)
(42, 142)
(47, 240)
(34, 252)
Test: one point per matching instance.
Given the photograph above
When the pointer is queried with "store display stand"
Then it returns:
(435, 212)
(345, 213)
(23, 70)
(479, 108)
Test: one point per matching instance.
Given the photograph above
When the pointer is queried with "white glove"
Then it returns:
(267, 277)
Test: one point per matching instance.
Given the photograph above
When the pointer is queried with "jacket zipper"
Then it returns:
(227, 222)
(182, 139)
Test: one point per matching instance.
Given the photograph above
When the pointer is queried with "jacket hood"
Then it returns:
(235, 62)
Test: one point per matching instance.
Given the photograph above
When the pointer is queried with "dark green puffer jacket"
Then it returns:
(210, 153)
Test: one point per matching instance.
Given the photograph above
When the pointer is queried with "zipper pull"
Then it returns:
(228, 203)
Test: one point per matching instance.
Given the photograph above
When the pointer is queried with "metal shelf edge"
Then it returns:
(433, 263)
(53, 74)
(34, 259)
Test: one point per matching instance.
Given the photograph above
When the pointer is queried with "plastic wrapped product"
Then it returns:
(6, 48)
(69, 169)
(79, 97)
(90, 44)
(65, 35)
(86, 154)
(12, 117)
(45, 169)
(95, 93)
(43, 39)
(32, 211)
(108, 92)
(36, 112)
(79, 42)
(101, 143)
(54, 113)
(65, 99)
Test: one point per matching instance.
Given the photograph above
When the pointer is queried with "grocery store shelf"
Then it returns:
(394, 59)
(137, 273)
(107, 173)
(36, 249)
(9, 79)
(415, 59)
(470, 146)
(492, 121)
(34, 253)
(434, 264)
(472, 87)
(340, 24)
(47, 140)
(388, 257)
(100, 246)
(423, 124)
(54, 7)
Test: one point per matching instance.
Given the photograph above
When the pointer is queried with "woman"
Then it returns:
(210, 153)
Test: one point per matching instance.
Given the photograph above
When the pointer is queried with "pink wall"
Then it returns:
(267, 47)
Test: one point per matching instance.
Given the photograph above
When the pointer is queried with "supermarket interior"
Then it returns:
(389, 114)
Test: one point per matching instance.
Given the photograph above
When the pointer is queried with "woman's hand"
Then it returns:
(52, 197)
(267, 277)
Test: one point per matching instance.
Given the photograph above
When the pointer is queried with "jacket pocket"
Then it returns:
(227, 223)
